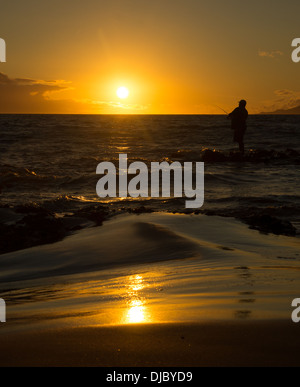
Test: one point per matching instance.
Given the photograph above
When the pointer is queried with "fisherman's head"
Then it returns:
(242, 103)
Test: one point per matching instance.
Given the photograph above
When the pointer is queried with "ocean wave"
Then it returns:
(253, 155)
(156, 242)
(11, 175)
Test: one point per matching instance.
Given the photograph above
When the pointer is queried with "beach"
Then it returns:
(210, 292)
(214, 344)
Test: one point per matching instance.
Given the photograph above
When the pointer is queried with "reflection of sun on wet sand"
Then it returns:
(136, 313)
(137, 308)
(153, 289)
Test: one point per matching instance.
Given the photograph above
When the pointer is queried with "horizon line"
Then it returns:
(149, 114)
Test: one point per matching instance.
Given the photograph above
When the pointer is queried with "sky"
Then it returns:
(174, 56)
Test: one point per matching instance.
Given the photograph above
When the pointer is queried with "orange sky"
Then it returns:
(175, 56)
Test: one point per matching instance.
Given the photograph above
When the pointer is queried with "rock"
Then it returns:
(95, 213)
(267, 223)
(209, 156)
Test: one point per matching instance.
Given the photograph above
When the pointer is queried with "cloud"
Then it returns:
(40, 86)
(25, 95)
(288, 98)
(270, 54)
(112, 104)
(284, 99)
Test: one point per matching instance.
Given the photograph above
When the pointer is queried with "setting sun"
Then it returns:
(122, 92)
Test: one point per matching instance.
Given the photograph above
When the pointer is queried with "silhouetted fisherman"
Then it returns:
(238, 123)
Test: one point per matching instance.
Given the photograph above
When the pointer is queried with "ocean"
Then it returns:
(49, 161)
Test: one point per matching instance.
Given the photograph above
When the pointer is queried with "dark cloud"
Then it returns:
(22, 95)
(284, 99)
(4, 80)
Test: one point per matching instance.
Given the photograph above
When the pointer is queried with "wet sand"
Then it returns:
(153, 290)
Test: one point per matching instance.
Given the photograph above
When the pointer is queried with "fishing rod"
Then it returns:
(222, 109)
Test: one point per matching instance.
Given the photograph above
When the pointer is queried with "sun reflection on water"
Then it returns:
(137, 283)
(137, 310)
(136, 313)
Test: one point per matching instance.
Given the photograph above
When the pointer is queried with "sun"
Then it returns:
(122, 92)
